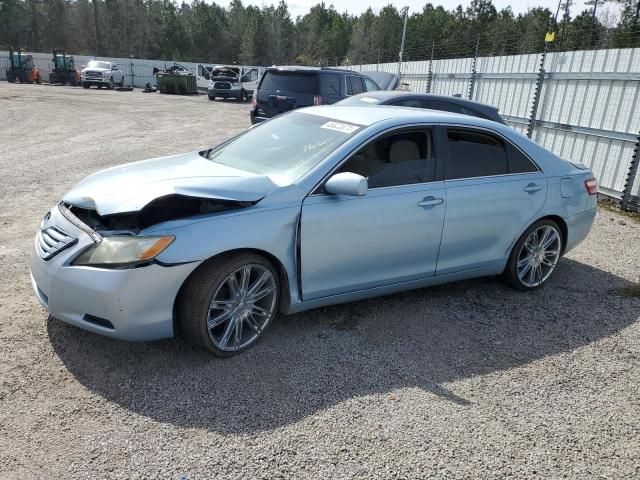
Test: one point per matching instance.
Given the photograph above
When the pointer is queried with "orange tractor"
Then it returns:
(21, 68)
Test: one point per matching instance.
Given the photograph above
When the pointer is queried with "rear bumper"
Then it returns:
(578, 227)
(132, 304)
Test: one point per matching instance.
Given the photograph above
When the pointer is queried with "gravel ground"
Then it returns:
(469, 380)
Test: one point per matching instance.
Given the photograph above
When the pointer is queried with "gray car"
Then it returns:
(318, 206)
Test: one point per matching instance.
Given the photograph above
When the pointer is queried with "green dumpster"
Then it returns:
(180, 84)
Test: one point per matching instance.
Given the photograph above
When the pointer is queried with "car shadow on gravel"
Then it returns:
(314, 360)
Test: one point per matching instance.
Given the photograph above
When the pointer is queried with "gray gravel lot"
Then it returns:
(469, 380)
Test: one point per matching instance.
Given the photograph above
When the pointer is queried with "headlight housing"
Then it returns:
(121, 251)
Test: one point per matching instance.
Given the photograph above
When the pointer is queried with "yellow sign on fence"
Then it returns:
(550, 37)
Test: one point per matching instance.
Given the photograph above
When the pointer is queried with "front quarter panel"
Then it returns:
(270, 230)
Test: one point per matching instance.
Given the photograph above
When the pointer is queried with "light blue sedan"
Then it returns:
(318, 206)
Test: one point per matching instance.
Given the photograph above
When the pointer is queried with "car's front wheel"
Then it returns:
(228, 303)
(534, 256)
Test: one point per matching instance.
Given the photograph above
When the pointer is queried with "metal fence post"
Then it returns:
(631, 177)
(132, 74)
(537, 92)
(430, 73)
(472, 80)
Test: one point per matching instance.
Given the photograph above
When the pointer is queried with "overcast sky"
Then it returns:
(300, 7)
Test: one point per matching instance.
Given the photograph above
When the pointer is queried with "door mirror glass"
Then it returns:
(347, 183)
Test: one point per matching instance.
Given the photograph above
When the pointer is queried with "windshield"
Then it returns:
(286, 147)
(94, 64)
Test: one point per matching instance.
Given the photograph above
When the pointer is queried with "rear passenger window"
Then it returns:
(519, 162)
(402, 158)
(408, 102)
(475, 154)
(443, 106)
(354, 85)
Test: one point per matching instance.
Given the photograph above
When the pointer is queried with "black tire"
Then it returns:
(213, 99)
(110, 85)
(99, 85)
(194, 300)
(121, 84)
(86, 85)
(243, 96)
(510, 274)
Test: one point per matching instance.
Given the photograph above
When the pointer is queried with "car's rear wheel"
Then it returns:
(213, 99)
(534, 256)
(227, 304)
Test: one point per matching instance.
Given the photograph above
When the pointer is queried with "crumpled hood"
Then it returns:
(96, 70)
(128, 188)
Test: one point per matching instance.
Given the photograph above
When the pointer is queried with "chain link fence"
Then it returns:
(582, 105)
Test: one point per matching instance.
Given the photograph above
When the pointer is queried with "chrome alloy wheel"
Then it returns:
(539, 256)
(242, 307)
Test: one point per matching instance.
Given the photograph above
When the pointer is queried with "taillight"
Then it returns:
(254, 99)
(317, 99)
(591, 185)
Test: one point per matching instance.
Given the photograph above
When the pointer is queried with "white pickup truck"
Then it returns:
(101, 74)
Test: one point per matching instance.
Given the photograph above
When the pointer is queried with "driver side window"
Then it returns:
(402, 158)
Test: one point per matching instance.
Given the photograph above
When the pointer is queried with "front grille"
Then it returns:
(51, 241)
(94, 75)
(222, 85)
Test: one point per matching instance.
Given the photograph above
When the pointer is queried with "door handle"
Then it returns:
(429, 201)
(532, 188)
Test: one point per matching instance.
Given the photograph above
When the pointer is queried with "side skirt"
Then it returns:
(486, 271)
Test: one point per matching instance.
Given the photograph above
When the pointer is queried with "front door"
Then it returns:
(390, 235)
(249, 79)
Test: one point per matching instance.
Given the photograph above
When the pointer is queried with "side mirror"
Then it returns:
(347, 183)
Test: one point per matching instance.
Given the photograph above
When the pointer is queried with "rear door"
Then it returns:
(493, 192)
(282, 90)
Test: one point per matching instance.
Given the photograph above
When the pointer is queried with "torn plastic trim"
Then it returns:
(66, 213)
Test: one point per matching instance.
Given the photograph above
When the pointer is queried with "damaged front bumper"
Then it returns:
(128, 304)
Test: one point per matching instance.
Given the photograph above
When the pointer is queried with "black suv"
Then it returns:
(286, 88)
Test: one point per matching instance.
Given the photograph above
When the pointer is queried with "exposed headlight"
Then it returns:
(123, 251)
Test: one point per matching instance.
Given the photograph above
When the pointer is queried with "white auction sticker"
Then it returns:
(341, 127)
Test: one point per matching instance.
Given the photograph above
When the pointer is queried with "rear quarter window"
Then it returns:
(290, 82)
(329, 84)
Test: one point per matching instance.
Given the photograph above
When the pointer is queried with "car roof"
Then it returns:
(299, 68)
(398, 94)
(368, 115)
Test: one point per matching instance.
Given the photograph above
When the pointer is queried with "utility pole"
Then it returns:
(430, 74)
(404, 33)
